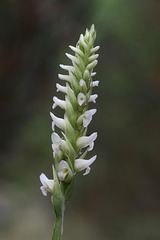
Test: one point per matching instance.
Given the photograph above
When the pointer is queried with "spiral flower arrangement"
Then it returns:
(71, 144)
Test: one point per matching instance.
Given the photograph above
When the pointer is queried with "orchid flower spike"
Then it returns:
(70, 142)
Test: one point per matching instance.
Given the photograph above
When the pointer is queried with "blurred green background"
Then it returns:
(120, 198)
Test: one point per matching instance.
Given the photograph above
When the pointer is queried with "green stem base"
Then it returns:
(58, 228)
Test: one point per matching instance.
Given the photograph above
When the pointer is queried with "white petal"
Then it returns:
(44, 190)
(87, 171)
(85, 141)
(59, 102)
(64, 146)
(43, 179)
(93, 74)
(87, 117)
(92, 65)
(59, 122)
(87, 33)
(77, 50)
(64, 77)
(72, 58)
(56, 142)
(95, 84)
(55, 138)
(81, 98)
(93, 98)
(94, 49)
(81, 164)
(67, 67)
(63, 164)
(90, 39)
(82, 41)
(64, 171)
(61, 88)
(83, 85)
(62, 175)
(48, 184)
(86, 74)
(93, 57)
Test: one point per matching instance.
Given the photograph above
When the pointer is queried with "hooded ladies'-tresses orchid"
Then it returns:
(70, 143)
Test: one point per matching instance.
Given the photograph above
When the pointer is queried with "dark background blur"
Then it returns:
(120, 198)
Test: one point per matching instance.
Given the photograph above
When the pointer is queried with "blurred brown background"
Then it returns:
(120, 198)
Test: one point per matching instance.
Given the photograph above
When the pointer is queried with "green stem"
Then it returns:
(58, 228)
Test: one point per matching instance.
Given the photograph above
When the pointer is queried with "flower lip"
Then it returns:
(93, 98)
(95, 83)
(81, 98)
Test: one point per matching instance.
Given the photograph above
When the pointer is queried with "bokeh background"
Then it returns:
(120, 198)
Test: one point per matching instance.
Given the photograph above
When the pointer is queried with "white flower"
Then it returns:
(64, 172)
(93, 98)
(82, 41)
(59, 122)
(61, 88)
(87, 117)
(93, 74)
(81, 98)
(77, 50)
(67, 67)
(94, 49)
(85, 141)
(48, 184)
(93, 57)
(59, 102)
(86, 74)
(64, 77)
(72, 58)
(95, 84)
(81, 164)
(58, 143)
(91, 65)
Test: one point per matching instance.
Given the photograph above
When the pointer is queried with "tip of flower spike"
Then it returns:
(93, 32)
(92, 27)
